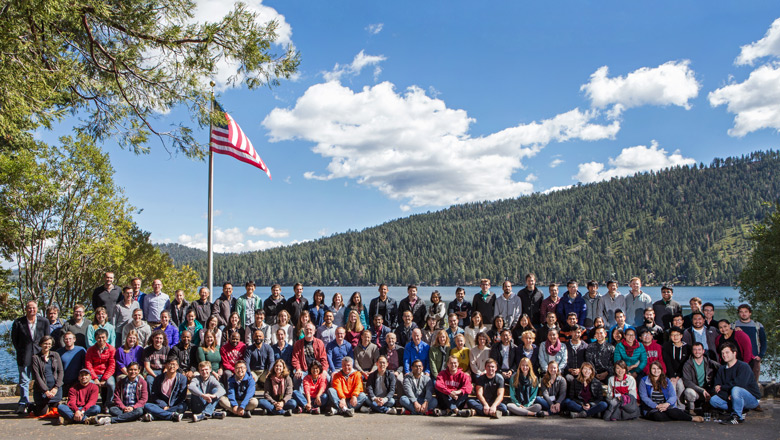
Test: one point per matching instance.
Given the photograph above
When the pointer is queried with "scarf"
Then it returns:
(552, 350)
(277, 387)
(621, 385)
(630, 348)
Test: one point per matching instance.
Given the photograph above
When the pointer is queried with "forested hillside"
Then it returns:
(686, 225)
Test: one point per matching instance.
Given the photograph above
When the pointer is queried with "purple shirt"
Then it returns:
(124, 359)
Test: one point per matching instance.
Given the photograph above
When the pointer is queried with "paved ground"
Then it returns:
(760, 426)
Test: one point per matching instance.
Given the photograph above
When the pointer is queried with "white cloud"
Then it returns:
(556, 188)
(411, 147)
(555, 162)
(767, 46)
(632, 160)
(755, 101)
(374, 29)
(360, 61)
(210, 10)
(227, 240)
(322, 232)
(268, 230)
(531, 178)
(672, 83)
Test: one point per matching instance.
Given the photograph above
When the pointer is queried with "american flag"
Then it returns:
(229, 139)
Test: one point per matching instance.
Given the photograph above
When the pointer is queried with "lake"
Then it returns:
(682, 294)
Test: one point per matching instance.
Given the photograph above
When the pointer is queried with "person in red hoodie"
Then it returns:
(738, 337)
(101, 363)
(453, 387)
(231, 352)
(82, 401)
(306, 351)
(654, 350)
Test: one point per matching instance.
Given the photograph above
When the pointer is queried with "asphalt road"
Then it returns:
(759, 426)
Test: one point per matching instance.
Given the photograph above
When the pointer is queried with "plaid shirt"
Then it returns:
(129, 393)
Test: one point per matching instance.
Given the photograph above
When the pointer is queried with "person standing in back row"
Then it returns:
(755, 331)
(385, 306)
(155, 303)
(26, 334)
(636, 303)
(532, 298)
(106, 295)
(485, 301)
(415, 305)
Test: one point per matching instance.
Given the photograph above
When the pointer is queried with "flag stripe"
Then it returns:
(230, 140)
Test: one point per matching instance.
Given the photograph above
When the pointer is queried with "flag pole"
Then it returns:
(211, 202)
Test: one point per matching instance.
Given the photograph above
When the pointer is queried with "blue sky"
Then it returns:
(406, 107)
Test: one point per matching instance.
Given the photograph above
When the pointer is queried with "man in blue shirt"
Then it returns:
(338, 349)
(416, 349)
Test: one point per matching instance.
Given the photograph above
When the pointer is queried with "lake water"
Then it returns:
(715, 295)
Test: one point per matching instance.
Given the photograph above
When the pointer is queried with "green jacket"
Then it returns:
(438, 360)
(241, 308)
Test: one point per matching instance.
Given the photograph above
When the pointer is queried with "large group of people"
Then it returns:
(148, 357)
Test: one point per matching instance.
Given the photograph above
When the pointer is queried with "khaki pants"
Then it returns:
(259, 377)
(225, 403)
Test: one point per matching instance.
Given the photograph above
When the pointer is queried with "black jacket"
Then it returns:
(25, 344)
(391, 312)
(371, 382)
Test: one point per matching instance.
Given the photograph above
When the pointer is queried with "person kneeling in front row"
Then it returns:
(240, 398)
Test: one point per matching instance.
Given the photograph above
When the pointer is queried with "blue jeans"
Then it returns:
(269, 407)
(107, 391)
(301, 399)
(383, 408)
(119, 416)
(25, 372)
(408, 404)
(200, 406)
(575, 407)
(543, 403)
(68, 414)
(477, 405)
(447, 402)
(333, 398)
(150, 380)
(741, 399)
(159, 413)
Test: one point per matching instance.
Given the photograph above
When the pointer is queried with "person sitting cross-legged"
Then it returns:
(277, 399)
(205, 392)
(130, 396)
(168, 399)
(586, 394)
(490, 393)
(381, 388)
(313, 399)
(82, 401)
(698, 376)
(418, 397)
(240, 399)
(735, 385)
(346, 392)
(523, 389)
(453, 387)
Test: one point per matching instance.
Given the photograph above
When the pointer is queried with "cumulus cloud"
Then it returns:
(374, 29)
(357, 65)
(755, 101)
(632, 160)
(672, 83)
(269, 231)
(767, 46)
(412, 147)
(555, 162)
(231, 240)
(556, 188)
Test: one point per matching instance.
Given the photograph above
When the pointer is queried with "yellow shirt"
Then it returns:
(463, 358)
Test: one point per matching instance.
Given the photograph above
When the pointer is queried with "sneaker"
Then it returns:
(465, 413)
(697, 419)
(147, 417)
(61, 421)
(758, 409)
(315, 411)
(733, 420)
(288, 413)
(391, 411)
(176, 417)
(541, 414)
(349, 412)
(261, 412)
(498, 415)
(21, 409)
(247, 414)
(104, 421)
(298, 410)
(198, 418)
(365, 409)
(437, 412)
(92, 420)
(218, 415)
